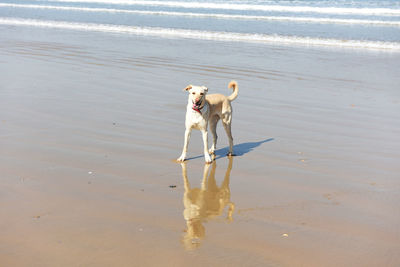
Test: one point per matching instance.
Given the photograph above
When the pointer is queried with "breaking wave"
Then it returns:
(252, 7)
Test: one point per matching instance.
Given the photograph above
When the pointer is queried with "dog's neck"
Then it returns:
(198, 109)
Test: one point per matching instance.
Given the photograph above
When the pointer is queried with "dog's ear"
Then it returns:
(187, 88)
(205, 89)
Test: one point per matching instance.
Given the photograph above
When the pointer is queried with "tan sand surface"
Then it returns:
(89, 133)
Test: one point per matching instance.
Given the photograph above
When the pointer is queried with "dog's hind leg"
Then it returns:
(213, 128)
(228, 131)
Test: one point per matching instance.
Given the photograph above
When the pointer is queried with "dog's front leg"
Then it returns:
(185, 145)
(205, 141)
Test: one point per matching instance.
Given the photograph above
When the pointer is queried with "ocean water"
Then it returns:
(356, 24)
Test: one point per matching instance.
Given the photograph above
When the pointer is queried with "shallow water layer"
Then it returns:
(91, 124)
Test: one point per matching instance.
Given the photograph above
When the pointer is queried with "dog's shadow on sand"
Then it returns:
(238, 150)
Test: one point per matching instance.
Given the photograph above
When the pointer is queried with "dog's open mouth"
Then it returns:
(197, 104)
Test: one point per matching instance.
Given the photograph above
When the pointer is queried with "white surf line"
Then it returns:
(218, 16)
(203, 35)
(270, 8)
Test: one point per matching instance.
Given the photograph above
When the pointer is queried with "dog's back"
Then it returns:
(221, 104)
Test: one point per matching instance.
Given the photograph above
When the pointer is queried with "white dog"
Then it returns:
(203, 109)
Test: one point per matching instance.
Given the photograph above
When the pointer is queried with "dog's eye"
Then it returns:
(201, 93)
(193, 93)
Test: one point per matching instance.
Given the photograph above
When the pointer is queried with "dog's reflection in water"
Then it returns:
(207, 202)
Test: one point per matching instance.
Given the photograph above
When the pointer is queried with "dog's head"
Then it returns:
(197, 94)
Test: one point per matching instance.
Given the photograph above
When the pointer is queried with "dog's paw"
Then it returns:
(207, 158)
(230, 154)
(181, 159)
(211, 151)
(213, 157)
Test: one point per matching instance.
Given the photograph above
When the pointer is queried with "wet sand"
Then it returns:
(90, 125)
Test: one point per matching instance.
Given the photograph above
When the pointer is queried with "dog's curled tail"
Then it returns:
(234, 86)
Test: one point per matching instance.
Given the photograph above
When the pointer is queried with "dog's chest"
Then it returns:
(197, 119)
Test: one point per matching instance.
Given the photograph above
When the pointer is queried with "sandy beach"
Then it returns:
(91, 123)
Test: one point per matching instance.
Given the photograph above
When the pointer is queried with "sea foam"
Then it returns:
(211, 15)
(203, 35)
